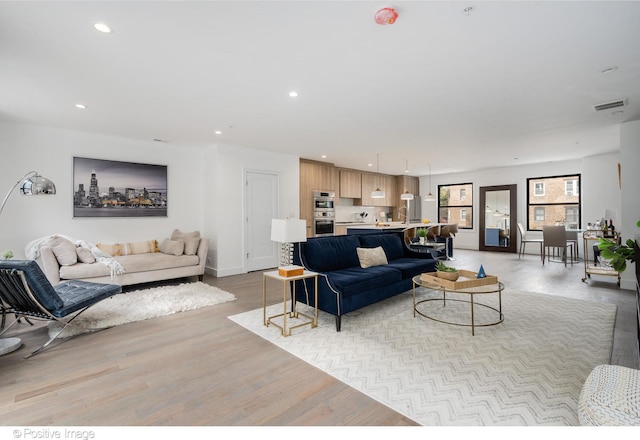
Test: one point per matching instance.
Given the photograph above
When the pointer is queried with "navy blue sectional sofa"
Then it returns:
(343, 285)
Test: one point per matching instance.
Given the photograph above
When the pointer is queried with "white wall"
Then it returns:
(205, 185)
(226, 167)
(630, 164)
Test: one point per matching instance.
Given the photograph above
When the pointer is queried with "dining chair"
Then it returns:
(572, 237)
(524, 240)
(555, 237)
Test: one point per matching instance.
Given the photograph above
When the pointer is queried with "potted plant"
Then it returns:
(422, 234)
(618, 255)
(446, 272)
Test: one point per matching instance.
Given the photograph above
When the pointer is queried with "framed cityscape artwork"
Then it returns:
(107, 188)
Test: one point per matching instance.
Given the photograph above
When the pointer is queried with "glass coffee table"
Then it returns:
(471, 293)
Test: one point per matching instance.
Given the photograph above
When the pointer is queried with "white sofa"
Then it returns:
(162, 262)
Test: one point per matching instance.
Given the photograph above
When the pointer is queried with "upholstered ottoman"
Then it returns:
(610, 396)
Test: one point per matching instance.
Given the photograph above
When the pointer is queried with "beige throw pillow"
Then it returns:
(191, 240)
(370, 257)
(172, 247)
(64, 250)
(85, 255)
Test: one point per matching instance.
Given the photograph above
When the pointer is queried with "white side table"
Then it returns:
(310, 320)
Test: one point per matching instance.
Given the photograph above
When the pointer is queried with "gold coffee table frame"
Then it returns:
(471, 291)
(310, 320)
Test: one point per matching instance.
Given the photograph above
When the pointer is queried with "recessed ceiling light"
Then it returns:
(293, 94)
(82, 106)
(369, 164)
(218, 132)
(324, 156)
(609, 69)
(102, 28)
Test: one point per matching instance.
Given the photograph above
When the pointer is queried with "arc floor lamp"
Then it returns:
(31, 184)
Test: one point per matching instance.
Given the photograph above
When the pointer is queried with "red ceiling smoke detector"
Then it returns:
(386, 16)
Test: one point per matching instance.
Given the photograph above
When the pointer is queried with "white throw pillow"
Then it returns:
(370, 257)
(172, 247)
(191, 240)
(64, 250)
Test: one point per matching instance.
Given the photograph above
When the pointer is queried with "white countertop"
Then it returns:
(388, 225)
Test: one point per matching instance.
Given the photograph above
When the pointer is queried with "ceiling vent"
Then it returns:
(610, 105)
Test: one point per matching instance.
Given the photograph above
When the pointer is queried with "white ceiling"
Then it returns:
(511, 83)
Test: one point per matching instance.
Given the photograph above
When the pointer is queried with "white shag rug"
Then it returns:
(527, 370)
(143, 304)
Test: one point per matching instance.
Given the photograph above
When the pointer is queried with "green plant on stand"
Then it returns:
(618, 255)
(7, 254)
(422, 234)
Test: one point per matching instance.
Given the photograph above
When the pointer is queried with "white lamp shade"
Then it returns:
(291, 230)
(430, 198)
(406, 196)
(377, 194)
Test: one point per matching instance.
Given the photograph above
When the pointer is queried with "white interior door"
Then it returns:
(261, 205)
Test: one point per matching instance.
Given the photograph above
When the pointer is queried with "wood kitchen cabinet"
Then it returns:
(372, 181)
(350, 184)
(406, 183)
(315, 176)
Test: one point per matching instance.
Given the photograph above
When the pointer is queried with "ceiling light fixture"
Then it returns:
(430, 197)
(468, 10)
(609, 69)
(378, 193)
(102, 28)
(406, 166)
(81, 106)
(218, 132)
(293, 94)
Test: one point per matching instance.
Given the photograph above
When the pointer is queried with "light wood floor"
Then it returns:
(200, 368)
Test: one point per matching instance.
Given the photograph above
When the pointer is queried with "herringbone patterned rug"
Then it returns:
(528, 370)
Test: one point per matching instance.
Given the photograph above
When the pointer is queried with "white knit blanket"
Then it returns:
(32, 252)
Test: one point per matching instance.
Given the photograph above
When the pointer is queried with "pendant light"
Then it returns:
(406, 195)
(430, 197)
(378, 193)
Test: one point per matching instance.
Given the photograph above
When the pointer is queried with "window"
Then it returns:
(571, 187)
(553, 200)
(455, 204)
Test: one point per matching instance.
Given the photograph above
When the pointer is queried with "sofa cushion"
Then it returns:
(391, 243)
(64, 250)
(191, 240)
(370, 257)
(355, 280)
(131, 264)
(411, 267)
(172, 247)
(324, 254)
(85, 255)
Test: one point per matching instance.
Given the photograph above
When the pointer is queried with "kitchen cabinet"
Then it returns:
(340, 229)
(315, 176)
(406, 183)
(350, 184)
(372, 181)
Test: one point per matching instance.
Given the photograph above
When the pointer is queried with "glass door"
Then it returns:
(498, 219)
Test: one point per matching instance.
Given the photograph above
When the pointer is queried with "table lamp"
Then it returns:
(31, 184)
(287, 232)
